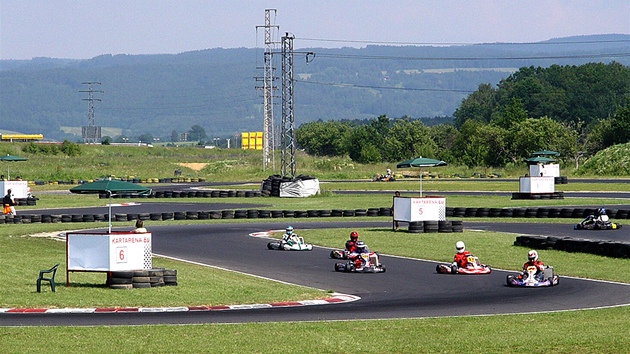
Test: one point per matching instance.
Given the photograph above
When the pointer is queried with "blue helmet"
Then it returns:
(601, 211)
(289, 230)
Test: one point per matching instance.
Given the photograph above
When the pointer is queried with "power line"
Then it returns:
(463, 43)
(383, 87)
(383, 57)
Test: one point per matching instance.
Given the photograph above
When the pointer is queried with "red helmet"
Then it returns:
(354, 235)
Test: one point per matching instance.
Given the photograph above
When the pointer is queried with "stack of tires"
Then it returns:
(139, 279)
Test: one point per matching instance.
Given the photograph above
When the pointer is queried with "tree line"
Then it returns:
(574, 110)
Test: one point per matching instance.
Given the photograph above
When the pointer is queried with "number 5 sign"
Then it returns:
(121, 253)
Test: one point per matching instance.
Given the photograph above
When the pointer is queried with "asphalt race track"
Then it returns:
(409, 289)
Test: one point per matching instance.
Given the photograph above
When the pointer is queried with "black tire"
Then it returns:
(141, 273)
(121, 286)
(141, 285)
(123, 274)
(170, 279)
(170, 272)
(114, 280)
(141, 279)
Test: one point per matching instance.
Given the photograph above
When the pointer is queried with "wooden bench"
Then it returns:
(51, 279)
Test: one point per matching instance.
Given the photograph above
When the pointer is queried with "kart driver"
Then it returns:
(599, 217)
(532, 260)
(360, 262)
(351, 244)
(461, 257)
(289, 237)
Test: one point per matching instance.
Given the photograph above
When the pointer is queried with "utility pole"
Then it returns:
(91, 133)
(288, 132)
(268, 88)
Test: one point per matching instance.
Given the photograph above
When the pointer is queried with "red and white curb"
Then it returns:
(335, 299)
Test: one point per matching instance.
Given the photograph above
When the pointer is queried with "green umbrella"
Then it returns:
(110, 187)
(421, 162)
(539, 159)
(11, 158)
(546, 152)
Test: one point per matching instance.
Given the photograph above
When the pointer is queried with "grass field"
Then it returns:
(589, 331)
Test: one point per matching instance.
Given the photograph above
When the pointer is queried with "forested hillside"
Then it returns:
(576, 111)
(215, 88)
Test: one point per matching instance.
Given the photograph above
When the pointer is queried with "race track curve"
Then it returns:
(409, 289)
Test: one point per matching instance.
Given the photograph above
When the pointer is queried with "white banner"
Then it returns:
(419, 209)
(116, 251)
(536, 185)
(19, 189)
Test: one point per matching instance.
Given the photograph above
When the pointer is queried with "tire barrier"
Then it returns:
(605, 248)
(416, 227)
(529, 212)
(141, 279)
(429, 226)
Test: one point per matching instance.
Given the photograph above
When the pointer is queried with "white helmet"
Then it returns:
(289, 230)
(460, 247)
(532, 255)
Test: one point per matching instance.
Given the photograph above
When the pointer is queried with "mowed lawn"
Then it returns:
(589, 331)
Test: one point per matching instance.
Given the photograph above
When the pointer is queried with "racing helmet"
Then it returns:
(532, 256)
(289, 230)
(460, 247)
(361, 246)
(601, 211)
(354, 236)
(389, 171)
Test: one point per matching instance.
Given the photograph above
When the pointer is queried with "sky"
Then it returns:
(82, 29)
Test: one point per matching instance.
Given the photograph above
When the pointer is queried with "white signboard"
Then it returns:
(535, 185)
(419, 209)
(116, 251)
(548, 170)
(19, 189)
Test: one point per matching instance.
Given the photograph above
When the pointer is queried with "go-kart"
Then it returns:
(532, 278)
(339, 254)
(295, 243)
(596, 225)
(370, 264)
(473, 266)
(383, 178)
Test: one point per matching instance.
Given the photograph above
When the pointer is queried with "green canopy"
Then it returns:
(421, 162)
(110, 187)
(11, 158)
(539, 159)
(106, 186)
(545, 152)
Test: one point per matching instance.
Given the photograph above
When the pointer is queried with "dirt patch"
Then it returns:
(195, 166)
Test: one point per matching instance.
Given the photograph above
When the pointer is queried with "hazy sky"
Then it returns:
(81, 29)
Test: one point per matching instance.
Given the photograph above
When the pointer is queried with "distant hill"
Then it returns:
(215, 88)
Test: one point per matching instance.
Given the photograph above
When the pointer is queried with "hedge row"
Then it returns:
(618, 249)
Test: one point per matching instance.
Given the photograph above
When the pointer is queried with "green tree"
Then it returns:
(542, 134)
(470, 147)
(196, 133)
(513, 112)
(70, 149)
(323, 138)
(361, 146)
(478, 106)
(407, 139)
(444, 136)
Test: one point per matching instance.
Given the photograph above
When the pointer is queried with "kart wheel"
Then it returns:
(269, 246)
(509, 279)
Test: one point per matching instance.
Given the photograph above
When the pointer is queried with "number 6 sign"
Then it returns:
(122, 254)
